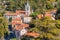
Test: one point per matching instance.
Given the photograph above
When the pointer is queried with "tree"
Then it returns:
(48, 28)
(58, 10)
(58, 3)
(10, 5)
(34, 14)
(3, 27)
(51, 4)
(10, 19)
(36, 5)
(57, 16)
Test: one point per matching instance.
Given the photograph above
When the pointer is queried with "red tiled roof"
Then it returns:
(20, 11)
(16, 19)
(55, 10)
(48, 14)
(33, 34)
(8, 13)
(18, 28)
(16, 22)
(11, 14)
(40, 16)
(25, 25)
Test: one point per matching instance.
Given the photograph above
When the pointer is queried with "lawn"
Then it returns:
(13, 39)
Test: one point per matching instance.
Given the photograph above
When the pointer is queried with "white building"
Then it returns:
(27, 9)
(27, 19)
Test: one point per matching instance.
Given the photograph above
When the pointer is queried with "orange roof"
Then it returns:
(8, 13)
(20, 11)
(16, 19)
(48, 14)
(18, 27)
(25, 25)
(11, 14)
(55, 10)
(16, 22)
(40, 16)
(33, 34)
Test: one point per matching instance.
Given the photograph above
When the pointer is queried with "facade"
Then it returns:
(27, 19)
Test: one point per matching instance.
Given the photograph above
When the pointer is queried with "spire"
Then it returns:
(27, 8)
(27, 3)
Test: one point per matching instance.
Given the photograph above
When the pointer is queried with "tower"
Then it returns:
(27, 9)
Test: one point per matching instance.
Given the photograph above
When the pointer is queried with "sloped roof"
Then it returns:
(19, 27)
(25, 25)
(16, 19)
(48, 14)
(40, 16)
(20, 11)
(16, 22)
(33, 34)
(8, 13)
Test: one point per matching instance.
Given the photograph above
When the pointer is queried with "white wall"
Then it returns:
(27, 19)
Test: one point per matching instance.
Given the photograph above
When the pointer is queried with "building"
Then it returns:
(23, 14)
(50, 14)
(33, 34)
(27, 19)
(20, 20)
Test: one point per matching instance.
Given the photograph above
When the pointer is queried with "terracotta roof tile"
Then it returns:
(18, 28)
(25, 25)
(48, 14)
(20, 11)
(40, 16)
(11, 14)
(16, 19)
(15, 14)
(16, 22)
(33, 34)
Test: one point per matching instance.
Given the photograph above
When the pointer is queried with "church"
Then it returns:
(19, 20)
(23, 14)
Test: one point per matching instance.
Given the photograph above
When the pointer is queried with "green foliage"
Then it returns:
(58, 4)
(36, 5)
(34, 14)
(58, 24)
(3, 26)
(58, 14)
(48, 28)
(10, 19)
